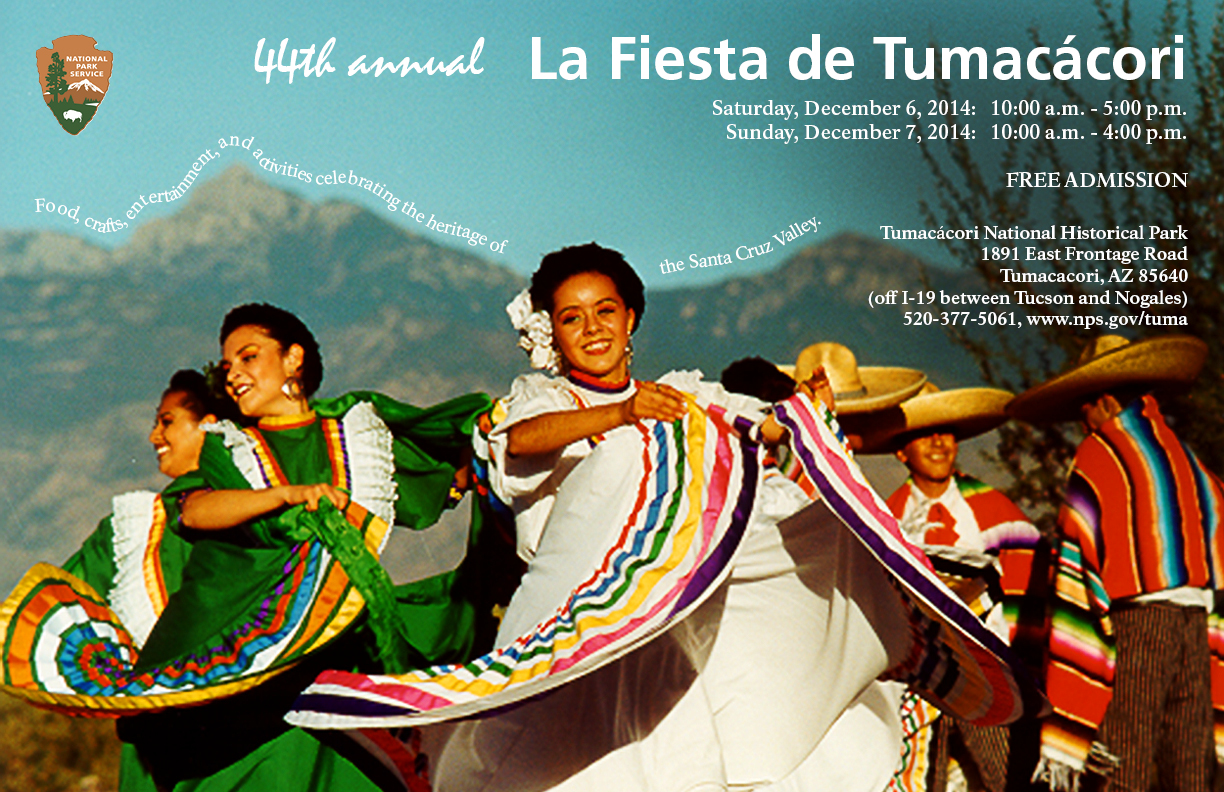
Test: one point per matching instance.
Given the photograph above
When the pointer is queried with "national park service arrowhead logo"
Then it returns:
(75, 76)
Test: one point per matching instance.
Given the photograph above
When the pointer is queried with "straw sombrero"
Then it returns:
(965, 412)
(1110, 362)
(855, 389)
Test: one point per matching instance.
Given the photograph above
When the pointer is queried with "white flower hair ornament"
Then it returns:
(535, 332)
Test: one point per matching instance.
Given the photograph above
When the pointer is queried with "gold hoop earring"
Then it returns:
(292, 388)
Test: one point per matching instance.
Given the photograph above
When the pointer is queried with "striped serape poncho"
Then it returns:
(997, 527)
(1141, 515)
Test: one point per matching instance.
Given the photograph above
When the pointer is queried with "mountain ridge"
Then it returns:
(90, 336)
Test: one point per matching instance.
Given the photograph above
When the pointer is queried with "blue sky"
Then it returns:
(641, 165)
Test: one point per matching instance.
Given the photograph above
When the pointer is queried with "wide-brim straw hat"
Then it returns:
(965, 412)
(858, 389)
(1108, 363)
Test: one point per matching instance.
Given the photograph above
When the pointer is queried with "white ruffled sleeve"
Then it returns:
(528, 484)
(530, 395)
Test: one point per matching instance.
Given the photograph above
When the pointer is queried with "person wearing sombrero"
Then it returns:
(1129, 671)
(983, 545)
(939, 506)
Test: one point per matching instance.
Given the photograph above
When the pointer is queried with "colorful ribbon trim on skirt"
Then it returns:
(918, 719)
(66, 650)
(674, 548)
(957, 663)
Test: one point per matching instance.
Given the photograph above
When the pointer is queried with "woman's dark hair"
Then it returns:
(756, 376)
(561, 265)
(284, 328)
(198, 396)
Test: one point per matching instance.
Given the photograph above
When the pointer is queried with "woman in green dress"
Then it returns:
(328, 478)
(374, 460)
(141, 541)
(138, 560)
(134, 559)
(266, 591)
(337, 474)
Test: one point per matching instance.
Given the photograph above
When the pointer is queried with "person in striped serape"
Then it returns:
(987, 550)
(1130, 665)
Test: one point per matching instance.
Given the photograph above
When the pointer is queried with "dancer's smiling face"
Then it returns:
(931, 460)
(176, 436)
(591, 326)
(257, 368)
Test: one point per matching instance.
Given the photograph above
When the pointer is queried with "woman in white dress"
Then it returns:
(779, 617)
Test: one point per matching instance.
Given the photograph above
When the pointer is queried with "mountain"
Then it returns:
(819, 294)
(90, 336)
(86, 328)
(85, 85)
